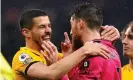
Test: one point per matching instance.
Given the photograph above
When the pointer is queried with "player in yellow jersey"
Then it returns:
(6, 72)
(39, 58)
(127, 40)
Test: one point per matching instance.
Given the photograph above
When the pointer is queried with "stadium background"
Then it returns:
(116, 12)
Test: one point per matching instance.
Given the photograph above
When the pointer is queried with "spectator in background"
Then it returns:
(127, 40)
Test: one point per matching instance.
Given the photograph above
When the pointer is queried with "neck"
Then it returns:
(90, 35)
(32, 45)
(131, 63)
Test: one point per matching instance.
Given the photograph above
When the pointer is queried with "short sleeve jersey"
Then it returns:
(23, 59)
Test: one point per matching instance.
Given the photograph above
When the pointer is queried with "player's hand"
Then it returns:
(50, 52)
(93, 49)
(66, 46)
(110, 33)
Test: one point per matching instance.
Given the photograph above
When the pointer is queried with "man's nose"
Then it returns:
(125, 40)
(48, 29)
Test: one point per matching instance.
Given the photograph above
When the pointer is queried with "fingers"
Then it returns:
(66, 36)
(65, 48)
(97, 49)
(108, 34)
(48, 46)
(105, 29)
(67, 40)
(55, 51)
(47, 51)
(52, 46)
(45, 56)
(103, 51)
(51, 51)
(114, 38)
(104, 48)
(63, 45)
(66, 44)
(104, 54)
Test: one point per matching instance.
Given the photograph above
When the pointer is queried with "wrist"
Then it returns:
(65, 54)
(85, 51)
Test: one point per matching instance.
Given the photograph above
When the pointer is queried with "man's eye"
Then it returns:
(41, 26)
(49, 25)
(130, 37)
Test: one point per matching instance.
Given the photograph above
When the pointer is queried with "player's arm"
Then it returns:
(61, 67)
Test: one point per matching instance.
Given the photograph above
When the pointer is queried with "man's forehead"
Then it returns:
(41, 19)
(128, 31)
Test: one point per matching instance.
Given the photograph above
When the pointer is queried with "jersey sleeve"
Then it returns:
(23, 60)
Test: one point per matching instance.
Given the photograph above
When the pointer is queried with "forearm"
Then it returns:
(67, 63)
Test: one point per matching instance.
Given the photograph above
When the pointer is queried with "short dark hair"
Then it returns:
(27, 17)
(125, 28)
(90, 13)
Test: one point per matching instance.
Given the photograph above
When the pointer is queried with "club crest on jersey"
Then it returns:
(86, 64)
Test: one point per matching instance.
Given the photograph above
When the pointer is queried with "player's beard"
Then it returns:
(76, 43)
(37, 41)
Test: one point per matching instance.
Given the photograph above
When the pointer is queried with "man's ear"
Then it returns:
(80, 23)
(26, 32)
(80, 26)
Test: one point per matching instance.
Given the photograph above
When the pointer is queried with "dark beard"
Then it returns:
(76, 44)
(38, 43)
